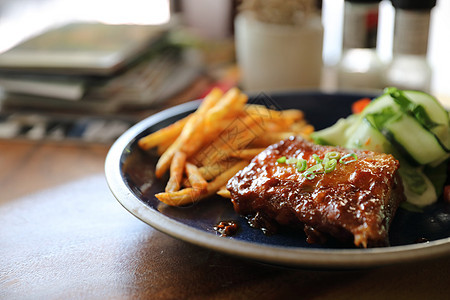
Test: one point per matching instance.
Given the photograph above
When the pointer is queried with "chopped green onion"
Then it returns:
(301, 165)
(291, 160)
(311, 172)
(317, 158)
(330, 165)
(315, 168)
(281, 160)
(326, 165)
(308, 175)
(333, 155)
(344, 159)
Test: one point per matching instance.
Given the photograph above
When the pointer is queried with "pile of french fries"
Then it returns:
(202, 151)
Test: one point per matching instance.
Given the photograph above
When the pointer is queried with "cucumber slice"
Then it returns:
(412, 108)
(437, 114)
(419, 190)
(379, 104)
(412, 126)
(404, 132)
(437, 175)
(335, 134)
(419, 143)
(425, 108)
(366, 136)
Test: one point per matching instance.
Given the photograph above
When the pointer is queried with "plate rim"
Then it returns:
(279, 255)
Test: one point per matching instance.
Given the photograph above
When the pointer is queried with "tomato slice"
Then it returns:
(359, 105)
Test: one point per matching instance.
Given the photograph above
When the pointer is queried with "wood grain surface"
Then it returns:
(64, 236)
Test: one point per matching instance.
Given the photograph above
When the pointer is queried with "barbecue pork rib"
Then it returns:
(354, 202)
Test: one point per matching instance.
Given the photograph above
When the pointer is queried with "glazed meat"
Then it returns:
(355, 202)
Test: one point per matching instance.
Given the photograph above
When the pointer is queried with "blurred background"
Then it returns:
(86, 70)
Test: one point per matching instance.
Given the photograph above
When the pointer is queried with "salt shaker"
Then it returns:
(409, 68)
(360, 66)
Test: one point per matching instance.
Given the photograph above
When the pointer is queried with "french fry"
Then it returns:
(223, 178)
(232, 102)
(195, 121)
(201, 138)
(307, 130)
(165, 159)
(189, 127)
(191, 195)
(163, 135)
(179, 198)
(292, 114)
(239, 134)
(298, 126)
(262, 111)
(210, 101)
(283, 119)
(162, 147)
(196, 140)
(247, 154)
(195, 178)
(213, 170)
(216, 120)
(176, 171)
(205, 149)
(185, 183)
(219, 150)
(223, 192)
(268, 113)
(271, 138)
(270, 120)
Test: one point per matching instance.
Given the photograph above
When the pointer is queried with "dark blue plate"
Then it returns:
(130, 176)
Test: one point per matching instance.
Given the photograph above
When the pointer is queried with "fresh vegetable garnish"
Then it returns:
(333, 155)
(410, 107)
(348, 158)
(281, 160)
(317, 158)
(301, 165)
(413, 126)
(326, 165)
(358, 106)
(330, 165)
(312, 171)
(291, 160)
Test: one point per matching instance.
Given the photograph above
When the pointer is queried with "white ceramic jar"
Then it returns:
(278, 57)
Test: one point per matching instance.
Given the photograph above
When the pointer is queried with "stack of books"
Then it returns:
(96, 68)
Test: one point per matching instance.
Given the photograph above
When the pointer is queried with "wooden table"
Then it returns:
(63, 235)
